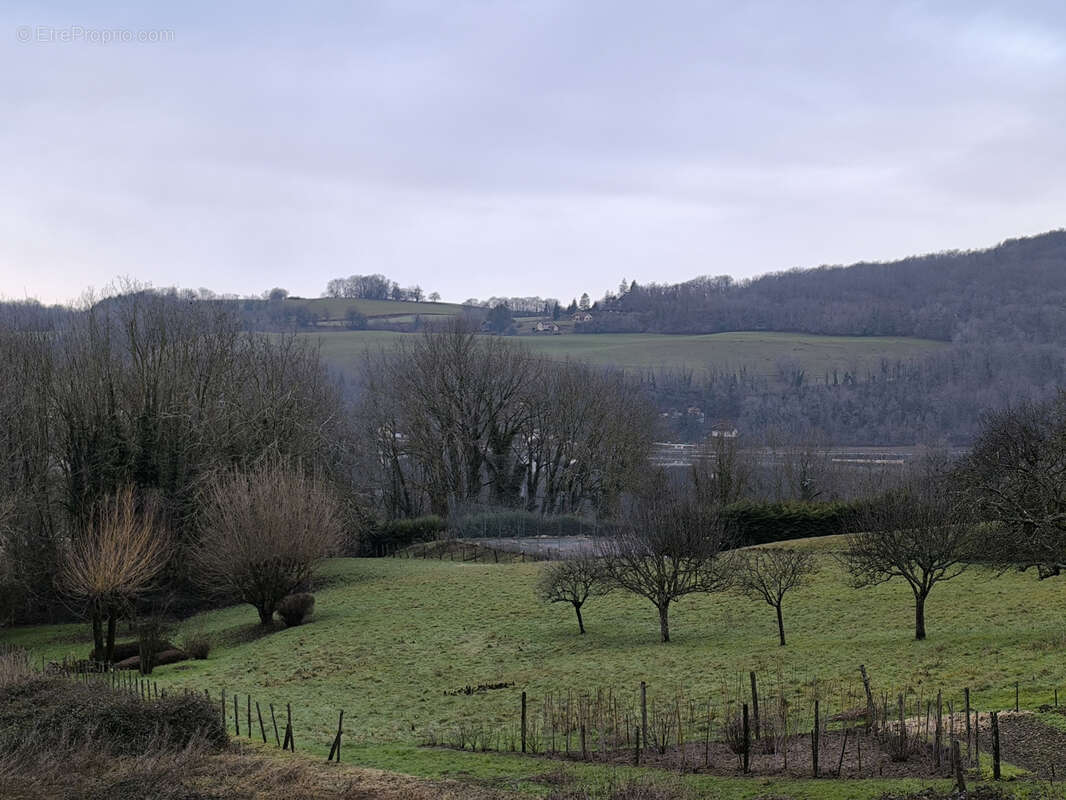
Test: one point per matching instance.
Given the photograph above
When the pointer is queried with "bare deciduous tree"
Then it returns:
(921, 533)
(1016, 473)
(771, 573)
(111, 563)
(724, 474)
(461, 418)
(263, 532)
(574, 582)
(668, 547)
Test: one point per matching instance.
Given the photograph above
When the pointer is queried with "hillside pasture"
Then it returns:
(335, 308)
(395, 641)
(760, 353)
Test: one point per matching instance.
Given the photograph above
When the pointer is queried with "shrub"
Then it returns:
(14, 665)
(55, 711)
(296, 608)
(734, 734)
(479, 522)
(197, 644)
(264, 531)
(394, 534)
(151, 636)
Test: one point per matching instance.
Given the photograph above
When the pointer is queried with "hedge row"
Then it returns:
(749, 522)
(506, 523)
(762, 523)
(394, 534)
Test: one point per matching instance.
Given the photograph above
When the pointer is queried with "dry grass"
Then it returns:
(67, 740)
(14, 666)
(197, 772)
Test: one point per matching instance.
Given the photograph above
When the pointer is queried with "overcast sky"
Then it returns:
(517, 147)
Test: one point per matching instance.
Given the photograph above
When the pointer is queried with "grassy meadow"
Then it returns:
(759, 352)
(335, 308)
(391, 637)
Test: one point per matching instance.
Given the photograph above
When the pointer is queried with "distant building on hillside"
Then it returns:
(724, 430)
(582, 316)
(546, 327)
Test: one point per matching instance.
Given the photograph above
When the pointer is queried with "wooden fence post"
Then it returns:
(523, 722)
(336, 748)
(843, 747)
(274, 720)
(966, 697)
(262, 728)
(644, 712)
(289, 733)
(995, 746)
(814, 741)
(938, 734)
(747, 736)
(236, 716)
(755, 704)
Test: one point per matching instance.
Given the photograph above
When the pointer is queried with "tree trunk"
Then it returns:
(99, 653)
(580, 622)
(919, 616)
(266, 615)
(112, 624)
(664, 622)
(780, 626)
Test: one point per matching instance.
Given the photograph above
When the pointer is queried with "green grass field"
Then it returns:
(334, 308)
(759, 352)
(391, 636)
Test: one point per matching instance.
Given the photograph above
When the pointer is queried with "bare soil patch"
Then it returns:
(1027, 742)
(859, 755)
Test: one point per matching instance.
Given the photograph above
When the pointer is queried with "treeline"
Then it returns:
(1015, 291)
(148, 394)
(938, 398)
(376, 287)
(457, 419)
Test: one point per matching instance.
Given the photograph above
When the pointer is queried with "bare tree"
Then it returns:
(110, 564)
(724, 473)
(585, 440)
(263, 532)
(461, 418)
(921, 533)
(1016, 474)
(771, 573)
(668, 547)
(574, 582)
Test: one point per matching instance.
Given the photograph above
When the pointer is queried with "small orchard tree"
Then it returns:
(263, 531)
(772, 573)
(116, 559)
(921, 533)
(670, 546)
(574, 582)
